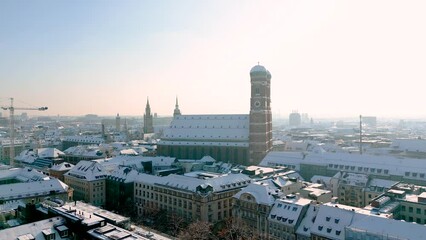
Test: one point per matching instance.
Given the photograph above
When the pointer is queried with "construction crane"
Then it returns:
(12, 109)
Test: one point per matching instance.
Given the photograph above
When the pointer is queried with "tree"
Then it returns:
(234, 230)
(197, 231)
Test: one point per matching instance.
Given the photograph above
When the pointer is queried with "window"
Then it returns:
(410, 209)
(418, 211)
(403, 209)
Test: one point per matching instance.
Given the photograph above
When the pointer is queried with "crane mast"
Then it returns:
(12, 109)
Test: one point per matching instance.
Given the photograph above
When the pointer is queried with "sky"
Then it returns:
(327, 58)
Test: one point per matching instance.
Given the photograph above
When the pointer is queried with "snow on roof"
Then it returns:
(25, 190)
(354, 179)
(85, 150)
(11, 205)
(136, 161)
(288, 211)
(412, 145)
(62, 166)
(384, 227)
(129, 152)
(308, 220)
(377, 182)
(123, 174)
(28, 156)
(88, 170)
(85, 139)
(321, 179)
(232, 130)
(23, 174)
(49, 153)
(89, 211)
(331, 221)
(187, 183)
(110, 231)
(33, 230)
(387, 165)
(262, 193)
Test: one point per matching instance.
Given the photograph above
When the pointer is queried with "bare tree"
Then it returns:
(176, 224)
(237, 231)
(197, 231)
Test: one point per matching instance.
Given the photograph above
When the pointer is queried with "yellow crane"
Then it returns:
(12, 109)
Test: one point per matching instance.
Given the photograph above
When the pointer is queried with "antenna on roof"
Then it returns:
(360, 134)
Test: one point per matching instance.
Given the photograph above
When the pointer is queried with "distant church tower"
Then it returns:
(147, 119)
(117, 123)
(176, 112)
(260, 135)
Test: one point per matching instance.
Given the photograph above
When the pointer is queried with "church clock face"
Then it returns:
(257, 104)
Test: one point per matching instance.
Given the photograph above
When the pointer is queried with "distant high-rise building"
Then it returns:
(370, 121)
(148, 126)
(294, 119)
(236, 138)
(176, 112)
(118, 123)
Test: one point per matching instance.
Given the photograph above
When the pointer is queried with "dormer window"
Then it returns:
(328, 230)
(338, 232)
(327, 219)
(320, 228)
(336, 220)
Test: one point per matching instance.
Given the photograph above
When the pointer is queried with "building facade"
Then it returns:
(88, 179)
(191, 198)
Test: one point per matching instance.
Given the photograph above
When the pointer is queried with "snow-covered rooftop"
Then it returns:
(262, 193)
(187, 183)
(308, 220)
(88, 170)
(49, 153)
(331, 221)
(62, 166)
(288, 211)
(23, 174)
(34, 230)
(214, 130)
(28, 189)
(384, 228)
(365, 163)
(412, 145)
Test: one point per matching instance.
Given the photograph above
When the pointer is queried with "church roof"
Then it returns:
(224, 130)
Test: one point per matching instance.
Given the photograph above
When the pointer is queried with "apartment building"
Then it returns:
(88, 179)
(201, 196)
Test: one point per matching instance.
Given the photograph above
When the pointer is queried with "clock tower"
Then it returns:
(260, 134)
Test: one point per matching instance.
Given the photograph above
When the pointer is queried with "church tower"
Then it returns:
(147, 119)
(260, 135)
(176, 112)
(117, 123)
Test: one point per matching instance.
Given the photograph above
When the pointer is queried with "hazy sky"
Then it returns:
(327, 58)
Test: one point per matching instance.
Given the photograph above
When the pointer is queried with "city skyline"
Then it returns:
(328, 58)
